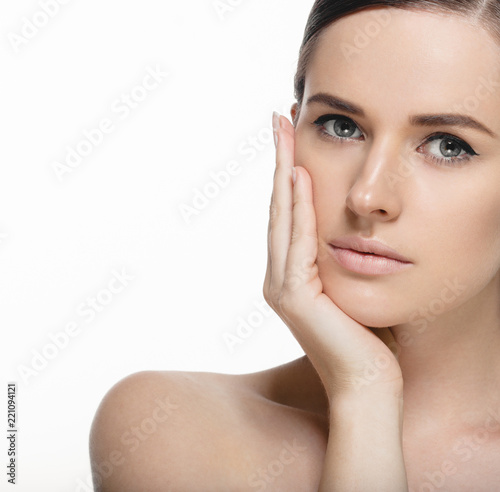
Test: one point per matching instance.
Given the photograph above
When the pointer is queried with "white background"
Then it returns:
(118, 210)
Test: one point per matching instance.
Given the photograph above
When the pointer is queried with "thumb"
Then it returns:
(385, 334)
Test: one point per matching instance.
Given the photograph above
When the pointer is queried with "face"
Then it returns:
(379, 173)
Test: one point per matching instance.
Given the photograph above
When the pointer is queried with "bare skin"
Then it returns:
(242, 423)
(277, 429)
(232, 428)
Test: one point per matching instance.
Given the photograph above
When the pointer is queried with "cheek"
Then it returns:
(329, 183)
(470, 236)
(450, 229)
(456, 248)
(460, 213)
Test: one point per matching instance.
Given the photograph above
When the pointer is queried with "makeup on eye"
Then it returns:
(337, 128)
(448, 141)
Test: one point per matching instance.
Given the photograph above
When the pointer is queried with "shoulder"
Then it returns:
(129, 416)
(144, 429)
(168, 431)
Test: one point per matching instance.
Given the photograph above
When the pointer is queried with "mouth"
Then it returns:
(367, 257)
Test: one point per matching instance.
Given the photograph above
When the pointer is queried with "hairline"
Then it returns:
(309, 45)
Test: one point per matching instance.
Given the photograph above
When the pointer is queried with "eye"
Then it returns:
(447, 149)
(337, 127)
(444, 149)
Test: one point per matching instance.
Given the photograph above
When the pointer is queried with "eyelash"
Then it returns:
(450, 161)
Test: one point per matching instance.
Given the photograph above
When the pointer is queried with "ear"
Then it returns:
(294, 112)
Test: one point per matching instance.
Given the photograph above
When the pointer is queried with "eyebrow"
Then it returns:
(461, 120)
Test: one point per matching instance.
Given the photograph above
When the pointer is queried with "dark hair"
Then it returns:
(325, 12)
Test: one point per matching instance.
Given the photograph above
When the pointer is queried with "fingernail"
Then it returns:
(276, 121)
(276, 127)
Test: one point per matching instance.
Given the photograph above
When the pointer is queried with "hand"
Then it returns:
(348, 356)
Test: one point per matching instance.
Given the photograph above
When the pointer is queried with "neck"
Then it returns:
(451, 362)
(450, 365)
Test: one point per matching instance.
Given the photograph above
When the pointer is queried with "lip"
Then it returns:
(352, 252)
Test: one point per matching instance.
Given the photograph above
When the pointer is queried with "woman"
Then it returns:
(384, 260)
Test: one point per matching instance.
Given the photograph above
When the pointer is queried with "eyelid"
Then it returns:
(469, 151)
(458, 140)
(327, 117)
(434, 136)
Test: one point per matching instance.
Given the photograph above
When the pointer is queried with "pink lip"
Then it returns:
(353, 253)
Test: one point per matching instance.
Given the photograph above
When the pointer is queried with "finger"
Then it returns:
(280, 220)
(301, 266)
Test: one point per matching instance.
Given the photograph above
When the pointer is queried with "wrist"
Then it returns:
(383, 393)
(381, 408)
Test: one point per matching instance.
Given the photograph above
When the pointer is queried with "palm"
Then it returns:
(347, 355)
(334, 340)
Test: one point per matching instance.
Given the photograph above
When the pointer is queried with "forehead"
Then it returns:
(404, 61)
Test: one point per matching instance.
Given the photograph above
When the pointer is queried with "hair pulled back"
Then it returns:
(325, 12)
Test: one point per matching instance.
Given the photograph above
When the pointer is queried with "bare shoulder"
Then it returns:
(171, 431)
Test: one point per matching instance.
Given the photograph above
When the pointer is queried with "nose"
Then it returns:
(373, 194)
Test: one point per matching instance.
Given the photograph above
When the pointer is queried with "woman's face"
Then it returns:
(381, 174)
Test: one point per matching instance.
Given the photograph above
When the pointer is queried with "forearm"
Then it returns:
(364, 452)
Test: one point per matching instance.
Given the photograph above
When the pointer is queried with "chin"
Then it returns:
(371, 319)
(367, 308)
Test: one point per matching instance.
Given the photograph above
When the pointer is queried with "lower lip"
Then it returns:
(365, 263)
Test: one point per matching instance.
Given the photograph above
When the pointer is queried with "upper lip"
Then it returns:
(361, 245)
